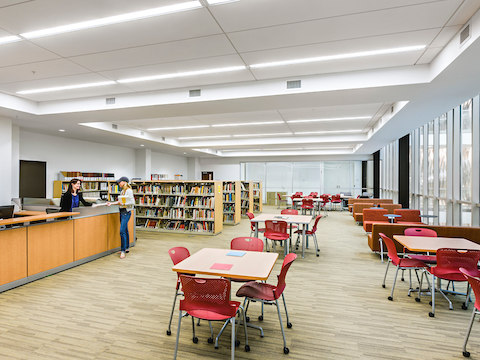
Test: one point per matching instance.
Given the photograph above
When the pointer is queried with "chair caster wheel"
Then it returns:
(210, 340)
(431, 314)
(464, 307)
(417, 299)
(247, 318)
(286, 350)
(260, 318)
(247, 348)
(390, 298)
(466, 354)
(195, 340)
(429, 303)
(318, 255)
(216, 347)
(169, 332)
(383, 286)
(289, 325)
(403, 279)
(237, 343)
(409, 295)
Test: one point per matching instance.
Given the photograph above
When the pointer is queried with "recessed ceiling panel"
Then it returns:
(23, 52)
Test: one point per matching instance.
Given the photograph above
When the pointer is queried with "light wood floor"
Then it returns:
(119, 309)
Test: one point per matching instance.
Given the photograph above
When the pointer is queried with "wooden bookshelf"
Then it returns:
(257, 196)
(194, 207)
(246, 198)
(98, 189)
(231, 202)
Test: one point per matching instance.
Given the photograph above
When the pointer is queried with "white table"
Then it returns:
(289, 219)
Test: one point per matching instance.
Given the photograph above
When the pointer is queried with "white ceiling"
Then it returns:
(239, 33)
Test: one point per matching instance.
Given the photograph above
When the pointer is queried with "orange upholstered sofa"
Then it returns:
(368, 200)
(467, 232)
(391, 207)
(408, 216)
(372, 216)
(358, 208)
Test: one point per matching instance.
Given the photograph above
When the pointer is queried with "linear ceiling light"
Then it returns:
(203, 137)
(136, 15)
(249, 123)
(179, 127)
(329, 119)
(339, 56)
(182, 74)
(215, 2)
(256, 135)
(9, 39)
(328, 132)
(67, 87)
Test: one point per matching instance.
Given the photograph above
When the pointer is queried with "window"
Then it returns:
(466, 152)
(442, 156)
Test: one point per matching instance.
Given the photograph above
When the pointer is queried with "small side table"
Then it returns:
(429, 216)
(391, 217)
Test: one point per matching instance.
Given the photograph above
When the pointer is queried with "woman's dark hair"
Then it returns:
(73, 181)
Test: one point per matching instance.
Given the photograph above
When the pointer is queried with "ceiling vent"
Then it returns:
(465, 34)
(114, 126)
(110, 101)
(142, 133)
(194, 93)
(294, 84)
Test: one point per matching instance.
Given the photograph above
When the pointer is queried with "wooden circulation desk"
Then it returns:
(32, 247)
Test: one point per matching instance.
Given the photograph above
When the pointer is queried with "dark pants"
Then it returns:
(124, 236)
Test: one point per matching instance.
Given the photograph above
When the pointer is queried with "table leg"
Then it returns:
(303, 239)
(256, 229)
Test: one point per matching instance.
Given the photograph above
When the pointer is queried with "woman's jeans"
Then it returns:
(124, 236)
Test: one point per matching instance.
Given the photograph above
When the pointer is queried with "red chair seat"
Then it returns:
(307, 232)
(257, 290)
(277, 236)
(213, 315)
(452, 274)
(411, 263)
(428, 259)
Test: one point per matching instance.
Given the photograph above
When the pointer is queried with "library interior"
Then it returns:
(171, 168)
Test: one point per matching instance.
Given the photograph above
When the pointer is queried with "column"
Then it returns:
(143, 163)
(403, 171)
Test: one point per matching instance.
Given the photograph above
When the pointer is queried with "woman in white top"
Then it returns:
(126, 204)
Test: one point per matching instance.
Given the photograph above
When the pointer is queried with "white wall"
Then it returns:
(223, 169)
(6, 149)
(170, 165)
(64, 154)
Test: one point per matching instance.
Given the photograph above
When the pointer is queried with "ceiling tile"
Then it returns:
(464, 13)
(345, 27)
(202, 47)
(428, 56)
(331, 111)
(445, 35)
(23, 52)
(177, 26)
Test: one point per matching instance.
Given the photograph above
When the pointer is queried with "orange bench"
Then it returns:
(373, 216)
(357, 211)
(408, 216)
(369, 200)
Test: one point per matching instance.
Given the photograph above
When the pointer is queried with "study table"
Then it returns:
(289, 219)
(432, 244)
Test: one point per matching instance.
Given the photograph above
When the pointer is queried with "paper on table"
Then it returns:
(219, 266)
(236, 253)
(102, 204)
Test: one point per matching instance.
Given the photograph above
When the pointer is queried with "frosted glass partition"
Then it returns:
(279, 176)
(256, 172)
(306, 177)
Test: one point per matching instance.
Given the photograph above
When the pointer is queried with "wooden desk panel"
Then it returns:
(90, 236)
(13, 255)
(49, 245)
(113, 236)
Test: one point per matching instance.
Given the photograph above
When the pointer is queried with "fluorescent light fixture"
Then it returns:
(179, 127)
(136, 15)
(67, 87)
(249, 123)
(215, 2)
(203, 137)
(256, 135)
(142, 145)
(329, 148)
(339, 56)
(328, 132)
(182, 74)
(61, 130)
(239, 150)
(9, 39)
(329, 119)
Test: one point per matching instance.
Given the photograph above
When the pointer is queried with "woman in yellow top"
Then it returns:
(126, 204)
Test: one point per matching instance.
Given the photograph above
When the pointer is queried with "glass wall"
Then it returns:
(444, 166)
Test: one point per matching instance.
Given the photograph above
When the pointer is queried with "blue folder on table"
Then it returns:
(236, 253)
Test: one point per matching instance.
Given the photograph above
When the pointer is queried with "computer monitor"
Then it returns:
(6, 211)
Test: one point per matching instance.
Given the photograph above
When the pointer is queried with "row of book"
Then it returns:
(245, 204)
(228, 208)
(244, 186)
(86, 176)
(229, 187)
(208, 202)
(201, 190)
(202, 214)
(229, 197)
(228, 218)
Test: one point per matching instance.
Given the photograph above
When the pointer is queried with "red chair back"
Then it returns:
(475, 284)
(392, 250)
(307, 204)
(178, 254)
(325, 197)
(336, 197)
(289, 212)
(251, 216)
(317, 219)
(287, 262)
(420, 232)
(451, 260)
(275, 227)
(279, 196)
(206, 294)
(246, 243)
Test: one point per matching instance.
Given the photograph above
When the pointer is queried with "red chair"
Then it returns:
(289, 212)
(449, 261)
(428, 259)
(408, 216)
(325, 199)
(336, 199)
(401, 264)
(310, 233)
(475, 285)
(247, 244)
(280, 200)
(276, 231)
(209, 299)
(307, 204)
(177, 254)
(269, 294)
(252, 225)
(293, 197)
